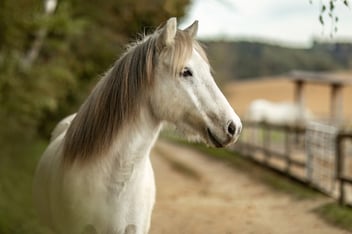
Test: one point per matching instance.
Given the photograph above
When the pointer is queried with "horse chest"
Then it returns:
(115, 199)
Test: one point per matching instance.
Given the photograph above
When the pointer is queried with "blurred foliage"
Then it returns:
(82, 39)
(246, 60)
(17, 215)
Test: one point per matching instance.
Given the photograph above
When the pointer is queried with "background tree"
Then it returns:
(82, 39)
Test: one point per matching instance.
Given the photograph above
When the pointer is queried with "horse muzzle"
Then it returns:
(229, 135)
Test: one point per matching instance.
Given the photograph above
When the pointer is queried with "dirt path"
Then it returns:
(197, 194)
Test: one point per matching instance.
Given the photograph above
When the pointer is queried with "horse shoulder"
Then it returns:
(44, 180)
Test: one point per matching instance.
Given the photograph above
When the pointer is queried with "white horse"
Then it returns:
(282, 113)
(96, 175)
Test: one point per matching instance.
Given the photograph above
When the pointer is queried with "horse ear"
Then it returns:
(168, 33)
(193, 29)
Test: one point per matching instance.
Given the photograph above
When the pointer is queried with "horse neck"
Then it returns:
(135, 140)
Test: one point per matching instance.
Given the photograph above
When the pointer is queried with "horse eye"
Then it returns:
(186, 72)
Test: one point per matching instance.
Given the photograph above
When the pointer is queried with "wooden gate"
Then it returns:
(321, 153)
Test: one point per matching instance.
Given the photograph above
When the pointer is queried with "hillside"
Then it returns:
(245, 60)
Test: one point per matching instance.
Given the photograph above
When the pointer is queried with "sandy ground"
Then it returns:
(214, 198)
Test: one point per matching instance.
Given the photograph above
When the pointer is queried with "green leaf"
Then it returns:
(332, 5)
(323, 8)
(321, 20)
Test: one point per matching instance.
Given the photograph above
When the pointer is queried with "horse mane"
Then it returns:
(118, 96)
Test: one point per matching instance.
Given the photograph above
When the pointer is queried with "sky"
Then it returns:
(286, 22)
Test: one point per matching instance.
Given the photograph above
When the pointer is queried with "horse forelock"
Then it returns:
(181, 51)
(116, 99)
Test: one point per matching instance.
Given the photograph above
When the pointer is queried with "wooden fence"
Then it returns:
(343, 172)
(289, 149)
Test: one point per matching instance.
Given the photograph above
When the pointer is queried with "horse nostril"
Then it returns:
(231, 128)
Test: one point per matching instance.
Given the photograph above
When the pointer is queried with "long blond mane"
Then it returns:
(116, 99)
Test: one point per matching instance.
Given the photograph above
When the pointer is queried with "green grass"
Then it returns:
(337, 215)
(17, 165)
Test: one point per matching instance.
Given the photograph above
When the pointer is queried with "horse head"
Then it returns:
(185, 92)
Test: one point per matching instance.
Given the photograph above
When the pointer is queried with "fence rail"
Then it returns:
(340, 172)
(287, 149)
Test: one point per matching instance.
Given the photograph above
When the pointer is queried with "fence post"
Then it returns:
(266, 142)
(309, 153)
(287, 148)
(339, 169)
(336, 103)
